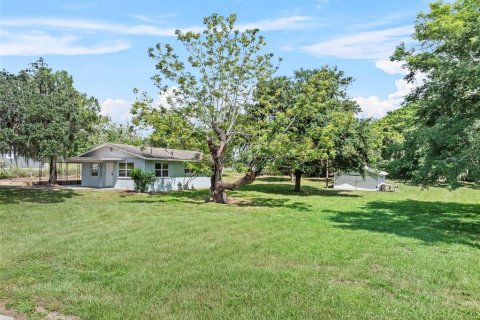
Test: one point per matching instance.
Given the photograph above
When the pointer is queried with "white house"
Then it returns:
(109, 166)
(354, 180)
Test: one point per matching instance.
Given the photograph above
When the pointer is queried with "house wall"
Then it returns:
(354, 181)
(126, 183)
(107, 152)
(88, 180)
(176, 170)
(175, 181)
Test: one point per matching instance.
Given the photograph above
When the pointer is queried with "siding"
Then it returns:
(354, 181)
(176, 171)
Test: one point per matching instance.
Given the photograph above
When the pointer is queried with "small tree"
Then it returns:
(142, 179)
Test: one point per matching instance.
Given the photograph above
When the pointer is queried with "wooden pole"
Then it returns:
(326, 175)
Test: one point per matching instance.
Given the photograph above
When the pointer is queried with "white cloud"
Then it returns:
(321, 3)
(285, 23)
(41, 43)
(117, 109)
(390, 67)
(375, 107)
(72, 24)
(369, 45)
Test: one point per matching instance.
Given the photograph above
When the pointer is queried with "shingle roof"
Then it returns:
(157, 153)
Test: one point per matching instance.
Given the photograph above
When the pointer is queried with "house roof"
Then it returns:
(147, 153)
(370, 170)
(157, 153)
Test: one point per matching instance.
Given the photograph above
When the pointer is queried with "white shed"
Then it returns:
(354, 180)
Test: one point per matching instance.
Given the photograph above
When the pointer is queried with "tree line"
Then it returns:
(43, 117)
(224, 99)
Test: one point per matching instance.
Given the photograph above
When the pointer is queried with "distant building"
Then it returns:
(10, 159)
(354, 180)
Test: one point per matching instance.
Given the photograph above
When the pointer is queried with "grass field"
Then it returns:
(321, 254)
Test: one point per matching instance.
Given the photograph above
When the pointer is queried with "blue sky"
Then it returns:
(103, 44)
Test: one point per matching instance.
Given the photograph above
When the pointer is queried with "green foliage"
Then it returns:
(301, 121)
(206, 90)
(4, 173)
(142, 179)
(391, 132)
(444, 146)
(42, 115)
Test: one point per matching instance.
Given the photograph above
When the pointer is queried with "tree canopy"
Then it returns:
(308, 120)
(208, 89)
(43, 116)
(445, 143)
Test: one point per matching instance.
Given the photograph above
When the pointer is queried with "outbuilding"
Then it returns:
(372, 180)
(109, 166)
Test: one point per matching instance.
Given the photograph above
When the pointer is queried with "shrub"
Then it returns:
(142, 179)
(4, 173)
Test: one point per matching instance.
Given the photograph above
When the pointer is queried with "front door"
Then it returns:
(109, 174)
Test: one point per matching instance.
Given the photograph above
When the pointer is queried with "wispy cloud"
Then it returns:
(71, 24)
(284, 23)
(41, 43)
(157, 19)
(369, 45)
(321, 3)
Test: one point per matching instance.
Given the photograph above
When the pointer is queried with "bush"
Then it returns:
(142, 179)
(4, 173)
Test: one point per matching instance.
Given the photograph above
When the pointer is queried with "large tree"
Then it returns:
(45, 117)
(306, 122)
(211, 85)
(445, 145)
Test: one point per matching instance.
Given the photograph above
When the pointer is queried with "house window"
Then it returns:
(125, 169)
(161, 169)
(189, 171)
(94, 172)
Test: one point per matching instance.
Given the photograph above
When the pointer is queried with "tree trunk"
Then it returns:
(220, 196)
(292, 176)
(326, 175)
(298, 180)
(52, 179)
(217, 195)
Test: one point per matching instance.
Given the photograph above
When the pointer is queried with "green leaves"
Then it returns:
(43, 115)
(298, 122)
(448, 102)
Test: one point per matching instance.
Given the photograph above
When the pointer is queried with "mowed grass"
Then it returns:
(321, 254)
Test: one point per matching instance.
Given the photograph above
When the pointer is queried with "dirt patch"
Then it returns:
(53, 315)
(39, 311)
(11, 313)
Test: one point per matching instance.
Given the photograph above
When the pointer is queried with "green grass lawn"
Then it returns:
(321, 254)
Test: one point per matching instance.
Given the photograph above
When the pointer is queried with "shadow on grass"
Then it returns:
(427, 221)
(40, 195)
(283, 192)
(287, 189)
(198, 197)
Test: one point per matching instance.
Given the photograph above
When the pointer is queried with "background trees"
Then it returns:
(43, 116)
(307, 121)
(444, 145)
